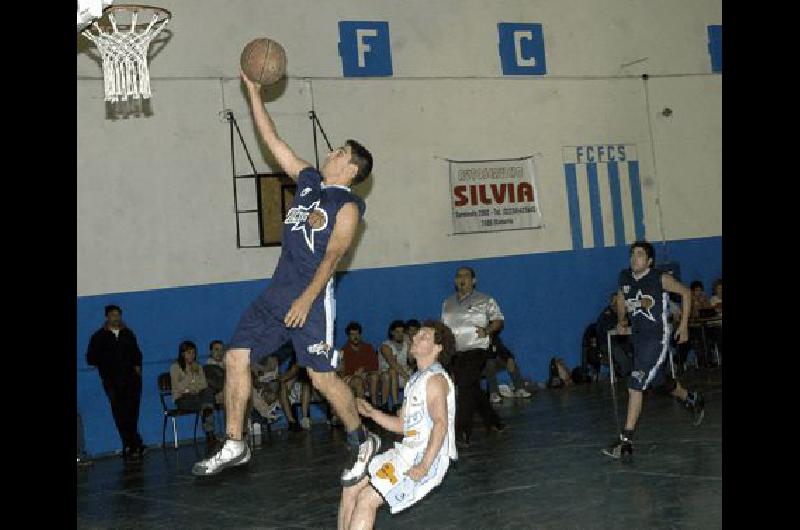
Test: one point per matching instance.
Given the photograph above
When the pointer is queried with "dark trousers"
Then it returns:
(467, 369)
(125, 394)
(202, 402)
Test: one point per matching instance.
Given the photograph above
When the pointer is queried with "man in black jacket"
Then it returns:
(115, 352)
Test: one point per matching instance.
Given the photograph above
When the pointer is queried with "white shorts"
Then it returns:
(388, 476)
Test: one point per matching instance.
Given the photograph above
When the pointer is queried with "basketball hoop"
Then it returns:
(124, 53)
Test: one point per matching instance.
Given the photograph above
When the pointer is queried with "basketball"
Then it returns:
(263, 61)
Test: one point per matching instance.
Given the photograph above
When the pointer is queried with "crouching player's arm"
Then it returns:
(389, 422)
(436, 393)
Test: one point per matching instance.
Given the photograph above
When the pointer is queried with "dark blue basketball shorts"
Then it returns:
(262, 331)
(650, 363)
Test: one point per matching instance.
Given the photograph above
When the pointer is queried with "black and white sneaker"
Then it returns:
(358, 469)
(619, 448)
(231, 454)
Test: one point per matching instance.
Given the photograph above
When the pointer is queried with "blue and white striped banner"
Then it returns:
(604, 194)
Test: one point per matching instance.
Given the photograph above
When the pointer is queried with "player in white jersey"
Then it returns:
(408, 471)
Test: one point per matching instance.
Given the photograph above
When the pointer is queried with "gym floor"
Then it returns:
(545, 471)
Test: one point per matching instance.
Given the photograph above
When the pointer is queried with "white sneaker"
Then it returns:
(521, 392)
(366, 451)
(505, 391)
(495, 398)
(306, 423)
(231, 454)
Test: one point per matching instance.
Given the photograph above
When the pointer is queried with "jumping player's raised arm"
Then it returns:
(287, 158)
(342, 236)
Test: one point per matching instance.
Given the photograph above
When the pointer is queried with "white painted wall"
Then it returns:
(155, 197)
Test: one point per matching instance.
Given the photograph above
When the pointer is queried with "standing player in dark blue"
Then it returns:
(643, 294)
(298, 304)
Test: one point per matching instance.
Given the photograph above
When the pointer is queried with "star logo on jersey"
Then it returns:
(298, 216)
(641, 305)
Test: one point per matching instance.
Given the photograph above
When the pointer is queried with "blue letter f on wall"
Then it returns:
(365, 49)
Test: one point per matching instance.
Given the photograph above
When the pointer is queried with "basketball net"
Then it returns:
(124, 53)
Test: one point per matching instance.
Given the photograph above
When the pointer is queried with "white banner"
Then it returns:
(494, 195)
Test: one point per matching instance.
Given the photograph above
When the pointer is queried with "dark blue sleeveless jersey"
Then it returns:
(304, 246)
(646, 303)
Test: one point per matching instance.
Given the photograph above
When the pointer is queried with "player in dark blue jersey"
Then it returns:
(643, 297)
(298, 304)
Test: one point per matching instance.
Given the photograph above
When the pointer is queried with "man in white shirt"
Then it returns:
(474, 318)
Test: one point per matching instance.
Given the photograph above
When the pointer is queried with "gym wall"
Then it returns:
(156, 217)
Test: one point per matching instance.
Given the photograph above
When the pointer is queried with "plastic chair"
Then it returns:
(164, 390)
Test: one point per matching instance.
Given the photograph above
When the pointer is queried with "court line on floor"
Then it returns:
(669, 475)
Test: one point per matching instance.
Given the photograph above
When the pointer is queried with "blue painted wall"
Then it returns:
(547, 299)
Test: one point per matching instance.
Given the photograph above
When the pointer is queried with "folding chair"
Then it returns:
(165, 390)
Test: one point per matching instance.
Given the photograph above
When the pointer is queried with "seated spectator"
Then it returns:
(359, 366)
(701, 308)
(700, 304)
(191, 392)
(716, 298)
(394, 363)
(271, 389)
(215, 370)
(559, 374)
(265, 388)
(216, 354)
(295, 387)
(621, 346)
(592, 356)
(503, 359)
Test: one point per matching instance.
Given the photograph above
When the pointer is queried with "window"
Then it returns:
(261, 201)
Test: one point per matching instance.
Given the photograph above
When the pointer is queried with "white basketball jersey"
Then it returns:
(417, 421)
